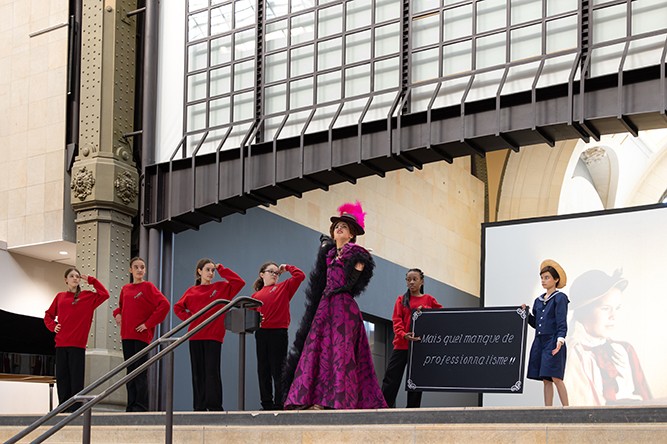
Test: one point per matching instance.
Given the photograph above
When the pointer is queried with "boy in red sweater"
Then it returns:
(206, 345)
(141, 306)
(271, 338)
(70, 317)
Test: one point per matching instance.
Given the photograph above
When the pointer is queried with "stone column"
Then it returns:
(104, 176)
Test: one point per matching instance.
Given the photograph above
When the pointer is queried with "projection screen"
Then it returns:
(615, 262)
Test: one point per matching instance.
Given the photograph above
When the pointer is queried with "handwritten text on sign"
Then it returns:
(468, 350)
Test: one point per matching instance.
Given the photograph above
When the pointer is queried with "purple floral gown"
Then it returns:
(336, 366)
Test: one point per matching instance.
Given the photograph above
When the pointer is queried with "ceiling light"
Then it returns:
(63, 253)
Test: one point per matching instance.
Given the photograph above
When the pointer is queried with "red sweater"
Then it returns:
(402, 317)
(138, 304)
(199, 296)
(276, 299)
(75, 319)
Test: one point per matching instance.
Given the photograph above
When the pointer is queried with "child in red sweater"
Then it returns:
(70, 317)
(141, 306)
(271, 338)
(206, 345)
(413, 299)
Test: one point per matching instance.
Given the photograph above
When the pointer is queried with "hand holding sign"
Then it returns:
(410, 337)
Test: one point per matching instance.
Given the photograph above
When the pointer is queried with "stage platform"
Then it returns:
(427, 425)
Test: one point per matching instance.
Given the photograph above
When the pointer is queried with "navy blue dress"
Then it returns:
(549, 319)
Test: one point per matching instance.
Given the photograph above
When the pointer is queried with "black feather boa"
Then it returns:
(317, 281)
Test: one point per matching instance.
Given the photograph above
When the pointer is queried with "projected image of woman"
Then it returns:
(602, 370)
(549, 319)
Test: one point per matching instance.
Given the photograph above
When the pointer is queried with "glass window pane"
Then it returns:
(491, 50)
(425, 65)
(451, 92)
(198, 26)
(562, 34)
(322, 118)
(387, 10)
(329, 21)
(221, 19)
(328, 87)
(271, 126)
(526, 42)
(358, 14)
(212, 141)
(301, 93)
(244, 106)
(423, 5)
(329, 54)
(276, 8)
(196, 87)
(219, 113)
(387, 74)
(196, 115)
(275, 99)
(525, 10)
(645, 52)
(560, 6)
(491, 15)
(425, 30)
(244, 13)
(295, 123)
(357, 47)
(457, 58)
(276, 66)
(221, 50)
(358, 80)
(379, 107)
(302, 28)
(351, 112)
(387, 40)
(648, 16)
(236, 136)
(557, 70)
(244, 75)
(221, 80)
(458, 22)
(609, 23)
(606, 60)
(301, 61)
(194, 5)
(197, 56)
(276, 35)
(244, 44)
(421, 96)
(520, 78)
(484, 86)
(300, 5)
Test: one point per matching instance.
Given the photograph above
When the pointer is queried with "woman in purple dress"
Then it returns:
(330, 365)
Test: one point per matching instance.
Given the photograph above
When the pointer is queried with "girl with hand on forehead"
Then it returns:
(141, 307)
(271, 338)
(70, 316)
(413, 299)
(206, 344)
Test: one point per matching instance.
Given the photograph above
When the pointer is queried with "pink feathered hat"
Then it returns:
(353, 214)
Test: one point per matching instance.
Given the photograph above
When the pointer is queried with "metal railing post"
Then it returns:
(169, 398)
(242, 370)
(87, 423)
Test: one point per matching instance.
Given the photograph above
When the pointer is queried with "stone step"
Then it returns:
(446, 425)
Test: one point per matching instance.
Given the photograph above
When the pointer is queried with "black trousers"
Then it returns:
(137, 389)
(70, 371)
(392, 380)
(271, 352)
(206, 379)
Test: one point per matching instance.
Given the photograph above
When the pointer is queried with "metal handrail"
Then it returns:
(88, 401)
